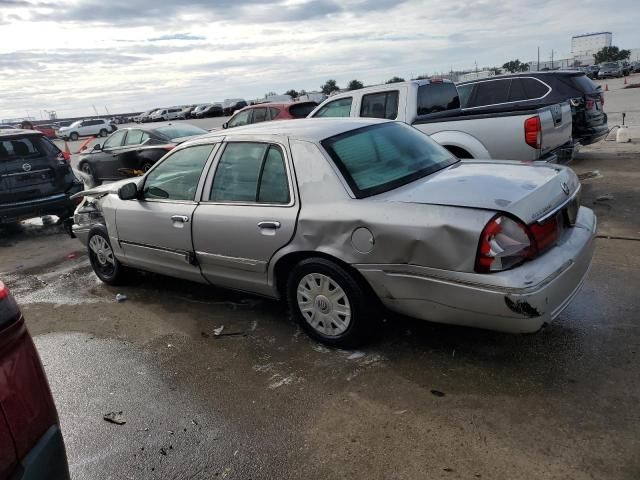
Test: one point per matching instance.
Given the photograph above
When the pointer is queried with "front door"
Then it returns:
(155, 231)
(249, 212)
(104, 162)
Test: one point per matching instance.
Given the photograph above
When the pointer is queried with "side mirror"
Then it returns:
(97, 146)
(225, 125)
(129, 191)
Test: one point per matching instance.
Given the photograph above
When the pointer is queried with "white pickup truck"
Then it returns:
(433, 106)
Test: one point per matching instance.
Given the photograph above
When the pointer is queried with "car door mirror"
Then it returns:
(225, 125)
(97, 147)
(129, 191)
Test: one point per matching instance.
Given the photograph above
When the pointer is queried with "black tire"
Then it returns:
(363, 319)
(103, 133)
(104, 263)
(74, 136)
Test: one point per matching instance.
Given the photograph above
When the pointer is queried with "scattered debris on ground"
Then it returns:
(603, 198)
(115, 417)
(120, 297)
(589, 175)
(437, 393)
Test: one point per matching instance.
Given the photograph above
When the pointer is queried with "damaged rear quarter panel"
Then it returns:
(437, 236)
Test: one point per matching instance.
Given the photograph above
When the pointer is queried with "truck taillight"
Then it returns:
(533, 132)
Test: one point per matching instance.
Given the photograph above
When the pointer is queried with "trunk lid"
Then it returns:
(526, 191)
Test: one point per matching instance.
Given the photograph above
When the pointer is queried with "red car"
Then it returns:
(48, 130)
(264, 112)
(31, 445)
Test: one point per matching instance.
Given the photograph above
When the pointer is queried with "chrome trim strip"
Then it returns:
(239, 260)
(25, 173)
(550, 214)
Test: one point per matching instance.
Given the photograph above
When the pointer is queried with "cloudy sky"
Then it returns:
(131, 55)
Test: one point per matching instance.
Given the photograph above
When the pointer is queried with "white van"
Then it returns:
(166, 114)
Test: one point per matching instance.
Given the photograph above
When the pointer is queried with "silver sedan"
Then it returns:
(347, 219)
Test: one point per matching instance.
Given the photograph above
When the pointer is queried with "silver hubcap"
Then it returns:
(324, 304)
(102, 250)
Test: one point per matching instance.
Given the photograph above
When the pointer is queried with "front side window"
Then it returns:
(115, 140)
(437, 97)
(250, 172)
(380, 105)
(240, 119)
(177, 177)
(378, 158)
(336, 108)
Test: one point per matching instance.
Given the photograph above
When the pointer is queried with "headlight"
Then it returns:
(87, 214)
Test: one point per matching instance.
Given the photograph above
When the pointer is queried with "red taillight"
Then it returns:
(545, 234)
(436, 80)
(4, 291)
(504, 243)
(168, 148)
(533, 132)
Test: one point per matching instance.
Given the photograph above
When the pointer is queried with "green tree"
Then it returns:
(514, 66)
(329, 86)
(395, 79)
(355, 85)
(611, 54)
(292, 93)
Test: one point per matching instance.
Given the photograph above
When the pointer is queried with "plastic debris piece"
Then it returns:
(437, 393)
(218, 331)
(356, 355)
(115, 417)
(120, 297)
(399, 412)
(604, 198)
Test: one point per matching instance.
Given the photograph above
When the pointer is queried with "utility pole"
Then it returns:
(538, 58)
(552, 59)
(95, 110)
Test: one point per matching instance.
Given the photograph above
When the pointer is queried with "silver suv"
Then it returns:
(87, 128)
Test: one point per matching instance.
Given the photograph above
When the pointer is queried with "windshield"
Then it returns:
(178, 131)
(76, 124)
(378, 158)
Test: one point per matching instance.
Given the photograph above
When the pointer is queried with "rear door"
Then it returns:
(249, 211)
(28, 169)
(155, 230)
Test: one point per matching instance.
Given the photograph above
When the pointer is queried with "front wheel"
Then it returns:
(330, 304)
(74, 136)
(105, 265)
(103, 133)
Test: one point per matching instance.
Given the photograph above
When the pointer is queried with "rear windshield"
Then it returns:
(610, 65)
(24, 147)
(378, 158)
(301, 110)
(179, 131)
(437, 97)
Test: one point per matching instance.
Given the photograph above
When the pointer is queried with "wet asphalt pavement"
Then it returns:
(422, 401)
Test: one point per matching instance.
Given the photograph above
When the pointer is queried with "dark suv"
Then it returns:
(533, 90)
(35, 177)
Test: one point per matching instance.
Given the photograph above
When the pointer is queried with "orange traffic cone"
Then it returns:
(83, 147)
(606, 87)
(67, 151)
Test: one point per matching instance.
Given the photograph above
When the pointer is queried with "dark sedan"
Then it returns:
(132, 151)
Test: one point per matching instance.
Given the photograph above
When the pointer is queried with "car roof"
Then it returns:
(278, 104)
(550, 73)
(13, 132)
(310, 129)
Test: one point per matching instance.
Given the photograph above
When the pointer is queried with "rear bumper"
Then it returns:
(51, 205)
(562, 154)
(46, 460)
(587, 136)
(520, 300)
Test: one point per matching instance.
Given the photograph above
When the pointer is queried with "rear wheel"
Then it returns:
(74, 136)
(330, 304)
(103, 133)
(105, 265)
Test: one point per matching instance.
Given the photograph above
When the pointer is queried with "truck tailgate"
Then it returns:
(555, 124)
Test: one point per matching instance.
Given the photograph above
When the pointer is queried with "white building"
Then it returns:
(589, 43)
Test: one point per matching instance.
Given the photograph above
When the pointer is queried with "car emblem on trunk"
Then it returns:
(26, 167)
(565, 188)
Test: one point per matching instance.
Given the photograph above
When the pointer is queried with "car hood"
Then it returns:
(523, 190)
(105, 189)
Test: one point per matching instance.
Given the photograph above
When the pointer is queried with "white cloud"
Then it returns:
(135, 54)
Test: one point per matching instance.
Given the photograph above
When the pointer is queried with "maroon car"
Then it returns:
(31, 445)
(264, 112)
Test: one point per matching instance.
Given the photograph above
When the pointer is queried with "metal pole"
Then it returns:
(538, 59)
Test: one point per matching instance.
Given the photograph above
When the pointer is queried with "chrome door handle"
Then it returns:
(180, 218)
(272, 225)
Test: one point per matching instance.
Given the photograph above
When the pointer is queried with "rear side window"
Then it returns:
(336, 108)
(516, 90)
(273, 112)
(491, 93)
(583, 84)
(302, 110)
(259, 115)
(134, 137)
(250, 172)
(25, 147)
(534, 88)
(380, 105)
(437, 97)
